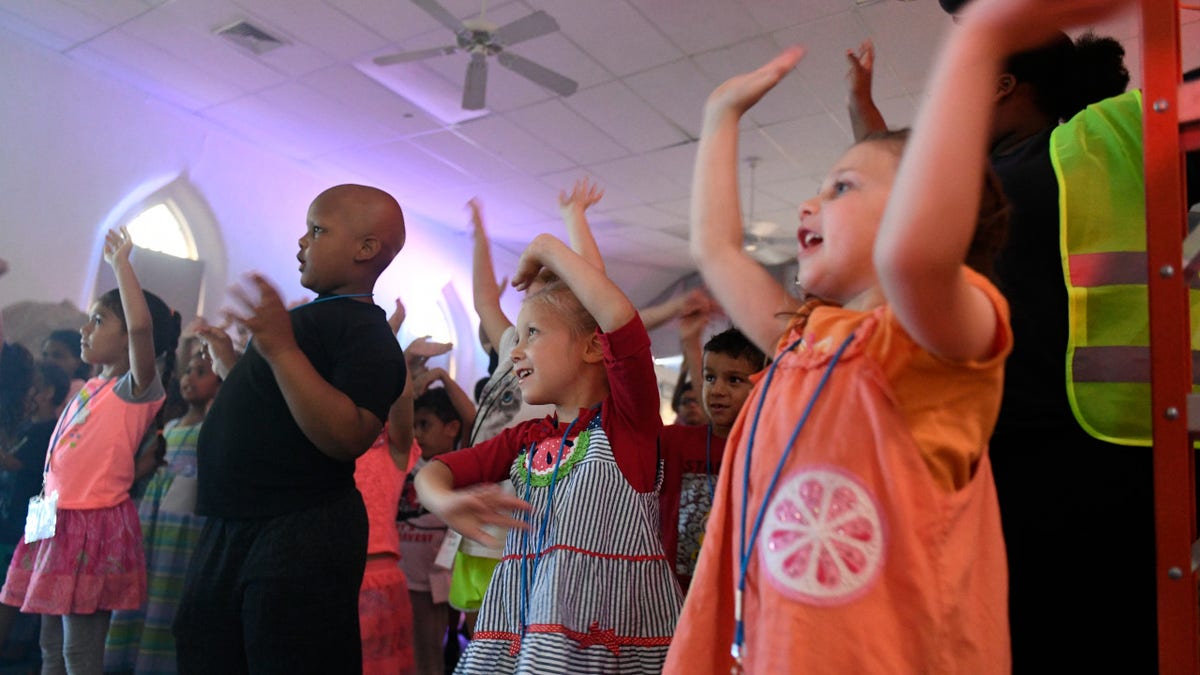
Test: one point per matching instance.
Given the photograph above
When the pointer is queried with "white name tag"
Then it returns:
(445, 556)
(42, 518)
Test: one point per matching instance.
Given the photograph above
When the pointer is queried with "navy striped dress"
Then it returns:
(601, 598)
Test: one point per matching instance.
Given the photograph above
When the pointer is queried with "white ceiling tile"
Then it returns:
(69, 22)
(334, 123)
(155, 71)
(824, 66)
(612, 33)
(677, 90)
(50, 37)
(680, 209)
(316, 24)
(791, 98)
(906, 36)
(513, 144)
(567, 132)
(354, 89)
(637, 178)
(622, 115)
(395, 20)
(647, 217)
(649, 247)
(180, 34)
(898, 112)
(814, 144)
(470, 158)
(776, 14)
(699, 25)
(556, 52)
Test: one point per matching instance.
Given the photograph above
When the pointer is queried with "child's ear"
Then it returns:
(368, 248)
(593, 351)
(1005, 86)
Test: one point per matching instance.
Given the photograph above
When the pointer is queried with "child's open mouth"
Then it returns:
(808, 238)
(523, 373)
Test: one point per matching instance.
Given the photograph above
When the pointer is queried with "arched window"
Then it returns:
(161, 227)
(179, 254)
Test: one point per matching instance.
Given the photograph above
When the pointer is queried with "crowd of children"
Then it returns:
(328, 502)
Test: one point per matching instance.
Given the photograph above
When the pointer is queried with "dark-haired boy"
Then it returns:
(692, 454)
(273, 585)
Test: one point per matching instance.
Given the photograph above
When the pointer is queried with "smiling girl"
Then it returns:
(584, 585)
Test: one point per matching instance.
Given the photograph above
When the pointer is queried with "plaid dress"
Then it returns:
(141, 640)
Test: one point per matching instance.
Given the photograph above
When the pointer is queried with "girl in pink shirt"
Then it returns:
(90, 561)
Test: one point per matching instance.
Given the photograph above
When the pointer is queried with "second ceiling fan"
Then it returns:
(481, 39)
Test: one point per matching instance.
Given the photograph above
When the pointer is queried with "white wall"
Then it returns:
(77, 149)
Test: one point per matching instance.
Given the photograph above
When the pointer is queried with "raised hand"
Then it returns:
(398, 315)
(529, 265)
(117, 247)
(217, 345)
(739, 93)
(862, 69)
(265, 317)
(426, 377)
(583, 194)
(425, 348)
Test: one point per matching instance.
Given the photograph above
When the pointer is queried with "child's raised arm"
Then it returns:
(484, 289)
(756, 303)
(930, 219)
(596, 292)
(138, 324)
(459, 398)
(865, 117)
(573, 208)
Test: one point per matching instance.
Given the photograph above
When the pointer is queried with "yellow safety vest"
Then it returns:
(1098, 160)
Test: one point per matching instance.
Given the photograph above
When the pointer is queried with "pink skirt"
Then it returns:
(385, 619)
(95, 561)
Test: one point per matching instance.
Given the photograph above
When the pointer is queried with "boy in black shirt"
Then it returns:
(273, 585)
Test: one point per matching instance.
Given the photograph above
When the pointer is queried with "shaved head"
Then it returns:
(368, 212)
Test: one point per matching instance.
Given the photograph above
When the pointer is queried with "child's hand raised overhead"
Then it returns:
(738, 94)
(530, 264)
(862, 69)
(265, 317)
(583, 194)
(117, 246)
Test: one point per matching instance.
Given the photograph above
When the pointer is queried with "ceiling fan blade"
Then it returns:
(475, 90)
(417, 55)
(442, 15)
(535, 25)
(559, 84)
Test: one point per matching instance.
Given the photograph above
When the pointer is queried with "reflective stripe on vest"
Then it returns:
(1097, 159)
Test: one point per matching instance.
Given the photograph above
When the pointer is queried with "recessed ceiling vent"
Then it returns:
(248, 36)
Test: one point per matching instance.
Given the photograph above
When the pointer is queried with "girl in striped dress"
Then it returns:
(140, 640)
(584, 585)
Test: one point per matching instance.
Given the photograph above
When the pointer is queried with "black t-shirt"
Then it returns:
(253, 459)
(1029, 272)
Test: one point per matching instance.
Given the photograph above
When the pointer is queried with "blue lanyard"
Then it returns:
(332, 297)
(746, 545)
(527, 578)
(84, 399)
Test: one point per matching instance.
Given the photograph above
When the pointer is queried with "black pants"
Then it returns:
(1078, 518)
(276, 595)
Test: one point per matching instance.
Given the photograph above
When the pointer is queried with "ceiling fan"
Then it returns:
(767, 242)
(481, 39)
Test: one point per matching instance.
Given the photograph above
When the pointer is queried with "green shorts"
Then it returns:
(470, 580)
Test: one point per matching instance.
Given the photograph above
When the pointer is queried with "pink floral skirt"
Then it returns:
(94, 561)
(385, 620)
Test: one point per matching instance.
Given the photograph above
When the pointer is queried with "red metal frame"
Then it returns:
(1170, 340)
